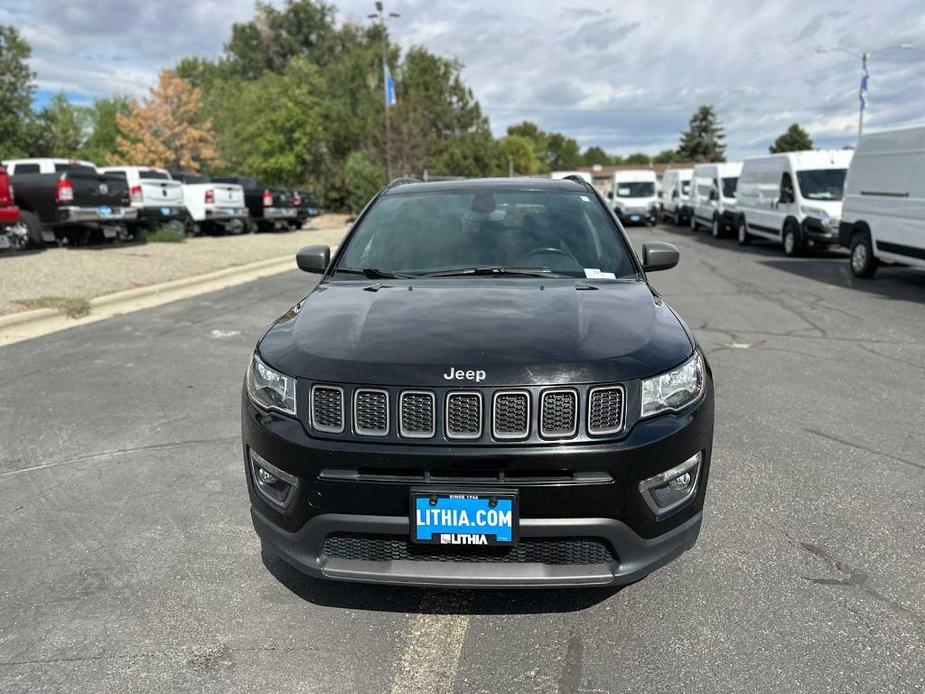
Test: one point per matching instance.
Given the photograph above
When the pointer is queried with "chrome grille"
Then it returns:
(511, 415)
(328, 409)
(559, 413)
(605, 410)
(370, 412)
(416, 419)
(463, 415)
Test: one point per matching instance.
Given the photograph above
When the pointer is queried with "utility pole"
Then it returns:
(382, 17)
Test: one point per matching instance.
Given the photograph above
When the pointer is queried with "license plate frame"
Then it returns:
(104, 211)
(471, 500)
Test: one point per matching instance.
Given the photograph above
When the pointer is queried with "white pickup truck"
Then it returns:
(212, 207)
(158, 199)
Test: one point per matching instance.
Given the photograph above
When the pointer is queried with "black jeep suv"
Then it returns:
(482, 390)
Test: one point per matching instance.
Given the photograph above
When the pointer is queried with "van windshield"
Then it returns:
(822, 184)
(487, 232)
(635, 189)
(729, 186)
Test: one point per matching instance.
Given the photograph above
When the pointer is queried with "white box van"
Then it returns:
(794, 198)
(713, 197)
(676, 192)
(883, 218)
(634, 196)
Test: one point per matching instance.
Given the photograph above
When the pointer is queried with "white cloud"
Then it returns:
(623, 75)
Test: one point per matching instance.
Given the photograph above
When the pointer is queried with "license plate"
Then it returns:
(4, 241)
(463, 518)
(230, 210)
(634, 217)
(165, 211)
(104, 211)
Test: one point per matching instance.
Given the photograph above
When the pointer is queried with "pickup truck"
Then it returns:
(213, 207)
(12, 231)
(269, 208)
(158, 198)
(70, 201)
(305, 205)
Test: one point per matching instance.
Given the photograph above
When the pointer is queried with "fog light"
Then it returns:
(276, 486)
(669, 490)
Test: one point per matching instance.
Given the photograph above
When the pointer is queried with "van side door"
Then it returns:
(785, 204)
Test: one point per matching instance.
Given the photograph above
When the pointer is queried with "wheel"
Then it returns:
(715, 228)
(742, 235)
(18, 235)
(863, 261)
(34, 229)
(793, 244)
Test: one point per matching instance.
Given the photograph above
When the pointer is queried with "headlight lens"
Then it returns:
(674, 389)
(270, 389)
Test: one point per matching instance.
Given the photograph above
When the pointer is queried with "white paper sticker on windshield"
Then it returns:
(594, 274)
(586, 198)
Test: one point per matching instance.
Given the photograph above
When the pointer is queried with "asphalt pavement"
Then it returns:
(128, 562)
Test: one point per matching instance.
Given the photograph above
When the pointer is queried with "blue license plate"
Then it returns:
(464, 518)
(165, 211)
(104, 211)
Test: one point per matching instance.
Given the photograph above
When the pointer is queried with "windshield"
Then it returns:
(685, 187)
(635, 189)
(557, 232)
(729, 186)
(822, 184)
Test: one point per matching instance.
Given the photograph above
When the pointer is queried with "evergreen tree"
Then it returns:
(795, 139)
(703, 140)
(15, 93)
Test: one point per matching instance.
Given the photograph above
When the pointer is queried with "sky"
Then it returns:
(622, 75)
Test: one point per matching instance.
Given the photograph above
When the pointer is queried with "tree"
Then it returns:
(516, 151)
(16, 90)
(166, 129)
(666, 156)
(595, 156)
(795, 139)
(61, 129)
(703, 140)
(638, 158)
(562, 153)
(364, 179)
(101, 116)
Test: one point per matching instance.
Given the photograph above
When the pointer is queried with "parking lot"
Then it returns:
(128, 562)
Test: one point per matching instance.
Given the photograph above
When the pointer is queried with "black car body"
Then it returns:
(386, 397)
(306, 207)
(268, 208)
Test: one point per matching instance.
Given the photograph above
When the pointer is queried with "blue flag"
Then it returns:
(862, 92)
(390, 99)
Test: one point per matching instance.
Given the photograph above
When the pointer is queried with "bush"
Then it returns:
(165, 234)
(364, 179)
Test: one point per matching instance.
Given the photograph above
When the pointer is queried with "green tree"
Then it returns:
(595, 155)
(101, 116)
(62, 129)
(638, 158)
(795, 139)
(562, 153)
(703, 140)
(364, 179)
(516, 150)
(666, 156)
(16, 90)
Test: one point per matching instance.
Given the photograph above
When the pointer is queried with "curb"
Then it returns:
(25, 325)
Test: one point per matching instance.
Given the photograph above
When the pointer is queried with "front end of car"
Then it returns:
(595, 483)
(821, 223)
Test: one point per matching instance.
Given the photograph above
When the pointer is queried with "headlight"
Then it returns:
(674, 389)
(270, 389)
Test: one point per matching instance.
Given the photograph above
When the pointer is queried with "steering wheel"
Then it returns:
(547, 251)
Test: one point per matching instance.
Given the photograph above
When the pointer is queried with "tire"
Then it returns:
(716, 229)
(742, 235)
(34, 226)
(793, 243)
(863, 262)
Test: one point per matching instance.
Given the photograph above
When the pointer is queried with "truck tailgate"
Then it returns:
(228, 194)
(96, 190)
(159, 192)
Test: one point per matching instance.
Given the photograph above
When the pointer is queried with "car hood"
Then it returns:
(519, 332)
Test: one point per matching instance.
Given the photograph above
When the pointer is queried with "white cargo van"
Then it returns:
(634, 198)
(676, 191)
(794, 198)
(883, 218)
(713, 197)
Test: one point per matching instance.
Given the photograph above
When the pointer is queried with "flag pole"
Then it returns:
(388, 85)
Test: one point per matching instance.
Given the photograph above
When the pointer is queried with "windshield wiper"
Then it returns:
(375, 274)
(494, 270)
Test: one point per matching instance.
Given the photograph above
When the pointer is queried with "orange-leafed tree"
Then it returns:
(166, 129)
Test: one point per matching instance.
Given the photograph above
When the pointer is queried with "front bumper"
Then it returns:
(636, 216)
(576, 491)
(96, 215)
(814, 230)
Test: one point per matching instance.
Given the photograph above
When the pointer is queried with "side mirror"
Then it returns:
(713, 195)
(313, 258)
(674, 194)
(610, 195)
(659, 255)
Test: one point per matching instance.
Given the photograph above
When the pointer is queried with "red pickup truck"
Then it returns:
(13, 233)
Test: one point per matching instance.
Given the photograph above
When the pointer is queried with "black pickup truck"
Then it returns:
(306, 207)
(269, 208)
(66, 199)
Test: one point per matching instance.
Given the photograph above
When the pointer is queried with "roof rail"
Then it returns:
(578, 179)
(401, 181)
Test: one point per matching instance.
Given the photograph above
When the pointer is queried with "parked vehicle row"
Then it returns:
(70, 201)
(870, 200)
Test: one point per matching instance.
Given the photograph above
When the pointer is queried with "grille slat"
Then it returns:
(559, 417)
(371, 412)
(605, 410)
(511, 415)
(416, 418)
(328, 409)
(463, 415)
(573, 551)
